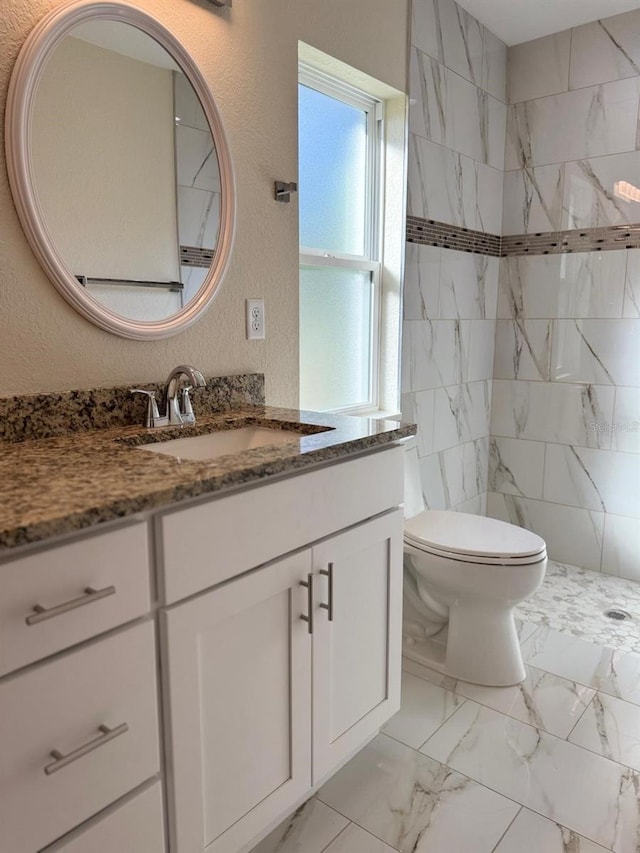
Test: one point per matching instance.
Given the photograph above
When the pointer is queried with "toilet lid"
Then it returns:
(472, 535)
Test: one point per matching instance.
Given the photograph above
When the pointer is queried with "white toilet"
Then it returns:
(469, 571)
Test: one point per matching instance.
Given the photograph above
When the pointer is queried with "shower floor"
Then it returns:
(573, 601)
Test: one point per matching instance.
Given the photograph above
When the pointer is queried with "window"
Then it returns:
(340, 181)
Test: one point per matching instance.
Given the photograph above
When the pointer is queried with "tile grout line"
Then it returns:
(335, 838)
(523, 805)
(500, 840)
(586, 708)
(355, 822)
(465, 699)
(501, 793)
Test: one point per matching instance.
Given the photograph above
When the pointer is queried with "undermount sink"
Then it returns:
(223, 442)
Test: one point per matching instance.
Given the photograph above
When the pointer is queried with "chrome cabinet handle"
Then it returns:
(308, 584)
(328, 572)
(41, 614)
(106, 734)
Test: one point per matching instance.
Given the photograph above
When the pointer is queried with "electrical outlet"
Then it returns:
(255, 320)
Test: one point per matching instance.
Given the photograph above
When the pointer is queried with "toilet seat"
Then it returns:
(473, 539)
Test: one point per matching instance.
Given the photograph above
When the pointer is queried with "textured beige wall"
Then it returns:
(249, 56)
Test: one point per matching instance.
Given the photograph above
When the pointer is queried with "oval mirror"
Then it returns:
(120, 169)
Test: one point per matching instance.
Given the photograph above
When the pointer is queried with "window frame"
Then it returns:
(371, 259)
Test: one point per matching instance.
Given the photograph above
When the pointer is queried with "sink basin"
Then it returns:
(223, 442)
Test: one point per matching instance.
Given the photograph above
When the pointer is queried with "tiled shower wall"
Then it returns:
(565, 447)
(456, 157)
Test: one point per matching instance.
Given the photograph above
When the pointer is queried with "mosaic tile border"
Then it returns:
(608, 238)
(432, 233)
(194, 256)
(36, 416)
(605, 239)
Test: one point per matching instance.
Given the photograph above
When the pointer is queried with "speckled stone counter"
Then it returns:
(60, 484)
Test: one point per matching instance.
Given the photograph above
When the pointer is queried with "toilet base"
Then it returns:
(482, 648)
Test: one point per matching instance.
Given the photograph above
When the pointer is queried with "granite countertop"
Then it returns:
(56, 485)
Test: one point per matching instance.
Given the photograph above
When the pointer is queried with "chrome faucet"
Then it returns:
(177, 402)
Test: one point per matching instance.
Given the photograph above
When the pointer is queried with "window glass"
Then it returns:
(332, 173)
(335, 342)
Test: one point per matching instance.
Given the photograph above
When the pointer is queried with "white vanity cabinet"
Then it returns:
(274, 678)
(79, 727)
(278, 607)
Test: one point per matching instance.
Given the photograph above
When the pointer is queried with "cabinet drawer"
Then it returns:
(69, 706)
(115, 565)
(211, 542)
(133, 826)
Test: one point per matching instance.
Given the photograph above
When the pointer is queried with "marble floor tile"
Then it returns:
(573, 600)
(546, 701)
(543, 700)
(610, 671)
(356, 840)
(587, 793)
(417, 805)
(308, 830)
(537, 834)
(424, 709)
(611, 728)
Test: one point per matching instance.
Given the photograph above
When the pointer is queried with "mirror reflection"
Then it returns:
(125, 170)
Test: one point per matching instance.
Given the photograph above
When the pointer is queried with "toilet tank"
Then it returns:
(413, 498)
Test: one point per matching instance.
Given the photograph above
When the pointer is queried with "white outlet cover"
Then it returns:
(255, 320)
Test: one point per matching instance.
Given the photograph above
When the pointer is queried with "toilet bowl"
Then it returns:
(466, 572)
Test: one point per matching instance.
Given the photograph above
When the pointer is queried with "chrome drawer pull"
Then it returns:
(309, 587)
(106, 735)
(41, 614)
(329, 607)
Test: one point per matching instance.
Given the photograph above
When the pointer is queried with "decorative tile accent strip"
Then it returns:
(582, 240)
(605, 239)
(48, 415)
(431, 233)
(193, 256)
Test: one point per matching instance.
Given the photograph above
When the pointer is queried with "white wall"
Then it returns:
(249, 55)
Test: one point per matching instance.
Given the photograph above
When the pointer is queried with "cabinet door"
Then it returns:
(357, 641)
(238, 699)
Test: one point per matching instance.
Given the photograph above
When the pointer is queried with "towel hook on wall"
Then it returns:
(282, 191)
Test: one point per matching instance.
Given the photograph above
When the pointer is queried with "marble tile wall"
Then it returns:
(564, 454)
(572, 127)
(458, 115)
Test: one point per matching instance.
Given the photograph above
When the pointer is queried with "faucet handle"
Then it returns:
(186, 408)
(153, 415)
